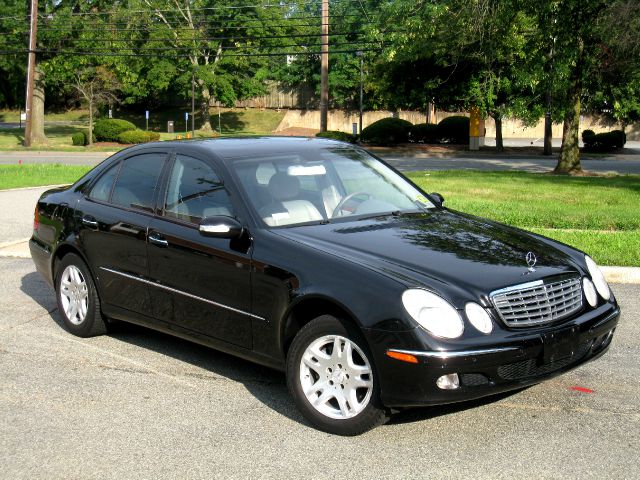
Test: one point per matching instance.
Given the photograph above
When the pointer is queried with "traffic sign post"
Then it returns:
(146, 117)
(186, 123)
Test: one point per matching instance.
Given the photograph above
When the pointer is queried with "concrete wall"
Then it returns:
(341, 120)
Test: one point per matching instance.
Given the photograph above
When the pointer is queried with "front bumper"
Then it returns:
(524, 359)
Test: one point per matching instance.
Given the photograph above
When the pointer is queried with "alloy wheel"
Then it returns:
(74, 294)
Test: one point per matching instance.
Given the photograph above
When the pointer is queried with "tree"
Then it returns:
(97, 86)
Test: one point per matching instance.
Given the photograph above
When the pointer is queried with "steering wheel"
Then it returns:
(345, 200)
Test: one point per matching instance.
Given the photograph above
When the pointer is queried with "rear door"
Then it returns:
(200, 283)
(113, 220)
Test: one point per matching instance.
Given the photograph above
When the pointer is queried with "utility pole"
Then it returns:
(324, 67)
(193, 104)
(361, 55)
(31, 72)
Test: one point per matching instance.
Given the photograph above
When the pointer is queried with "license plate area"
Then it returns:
(559, 344)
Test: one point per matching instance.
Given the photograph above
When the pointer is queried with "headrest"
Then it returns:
(283, 186)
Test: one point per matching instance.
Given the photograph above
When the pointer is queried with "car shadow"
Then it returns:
(266, 385)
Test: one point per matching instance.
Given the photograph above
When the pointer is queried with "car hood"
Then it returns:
(448, 251)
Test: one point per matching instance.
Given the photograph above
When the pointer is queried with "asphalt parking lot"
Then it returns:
(139, 404)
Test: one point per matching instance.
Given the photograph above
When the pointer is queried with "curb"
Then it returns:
(20, 249)
(34, 187)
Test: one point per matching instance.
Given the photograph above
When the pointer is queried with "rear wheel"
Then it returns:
(332, 378)
(77, 297)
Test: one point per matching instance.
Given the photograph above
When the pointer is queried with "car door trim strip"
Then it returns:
(180, 292)
(459, 353)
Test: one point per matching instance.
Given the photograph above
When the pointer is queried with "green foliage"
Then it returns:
(108, 129)
(604, 142)
(424, 133)
(453, 129)
(336, 135)
(387, 131)
(78, 139)
(138, 136)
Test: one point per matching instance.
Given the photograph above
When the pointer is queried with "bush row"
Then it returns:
(336, 135)
(391, 131)
(115, 130)
(138, 136)
(81, 138)
(603, 142)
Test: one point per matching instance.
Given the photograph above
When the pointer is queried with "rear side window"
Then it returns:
(137, 181)
(102, 189)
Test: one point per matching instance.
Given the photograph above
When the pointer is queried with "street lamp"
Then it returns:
(360, 54)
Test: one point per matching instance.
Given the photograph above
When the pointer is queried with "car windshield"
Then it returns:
(323, 185)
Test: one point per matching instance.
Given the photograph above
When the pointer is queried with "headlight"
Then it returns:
(478, 317)
(589, 292)
(433, 313)
(598, 278)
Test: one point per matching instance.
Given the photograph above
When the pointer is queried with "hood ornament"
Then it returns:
(531, 260)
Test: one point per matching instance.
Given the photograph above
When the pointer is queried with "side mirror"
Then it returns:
(220, 226)
(438, 198)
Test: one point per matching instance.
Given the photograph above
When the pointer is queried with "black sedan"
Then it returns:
(316, 258)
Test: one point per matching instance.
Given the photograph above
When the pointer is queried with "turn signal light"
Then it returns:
(403, 357)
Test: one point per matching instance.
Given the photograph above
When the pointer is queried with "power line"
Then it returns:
(112, 54)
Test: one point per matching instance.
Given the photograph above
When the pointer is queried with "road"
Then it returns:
(628, 163)
(139, 404)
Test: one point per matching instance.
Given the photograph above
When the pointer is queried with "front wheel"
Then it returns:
(332, 378)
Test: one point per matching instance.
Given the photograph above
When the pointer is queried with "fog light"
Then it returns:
(448, 382)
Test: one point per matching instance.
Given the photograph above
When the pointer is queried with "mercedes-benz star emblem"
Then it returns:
(531, 261)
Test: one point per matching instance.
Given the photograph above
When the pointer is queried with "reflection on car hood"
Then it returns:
(441, 249)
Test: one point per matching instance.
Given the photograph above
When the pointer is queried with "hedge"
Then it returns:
(138, 136)
(108, 129)
(424, 132)
(387, 131)
(454, 129)
(336, 135)
(604, 142)
(81, 138)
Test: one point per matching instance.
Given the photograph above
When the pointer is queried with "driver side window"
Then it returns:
(195, 191)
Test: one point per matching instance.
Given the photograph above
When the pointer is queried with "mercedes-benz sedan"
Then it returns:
(316, 258)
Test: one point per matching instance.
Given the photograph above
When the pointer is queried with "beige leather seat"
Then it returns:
(287, 208)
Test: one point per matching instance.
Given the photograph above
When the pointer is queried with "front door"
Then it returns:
(202, 284)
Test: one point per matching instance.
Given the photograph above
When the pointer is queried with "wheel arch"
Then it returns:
(305, 309)
(63, 250)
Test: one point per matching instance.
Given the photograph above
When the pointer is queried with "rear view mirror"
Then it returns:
(220, 227)
(438, 198)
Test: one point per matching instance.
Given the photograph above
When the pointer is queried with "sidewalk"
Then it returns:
(16, 225)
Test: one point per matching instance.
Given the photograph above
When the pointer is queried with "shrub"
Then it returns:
(78, 139)
(108, 129)
(387, 131)
(138, 136)
(424, 132)
(336, 135)
(587, 133)
(454, 129)
(81, 138)
(604, 142)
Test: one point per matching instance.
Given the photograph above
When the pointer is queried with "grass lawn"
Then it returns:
(233, 121)
(33, 175)
(599, 215)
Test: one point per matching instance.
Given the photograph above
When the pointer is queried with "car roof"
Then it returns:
(239, 147)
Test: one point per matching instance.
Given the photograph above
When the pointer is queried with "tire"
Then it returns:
(333, 357)
(77, 298)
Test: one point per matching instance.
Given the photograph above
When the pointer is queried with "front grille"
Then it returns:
(530, 368)
(538, 302)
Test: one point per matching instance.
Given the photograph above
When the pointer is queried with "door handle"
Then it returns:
(89, 221)
(158, 239)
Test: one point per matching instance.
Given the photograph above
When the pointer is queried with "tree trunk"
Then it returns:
(37, 114)
(569, 160)
(499, 143)
(204, 109)
(90, 137)
(548, 149)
